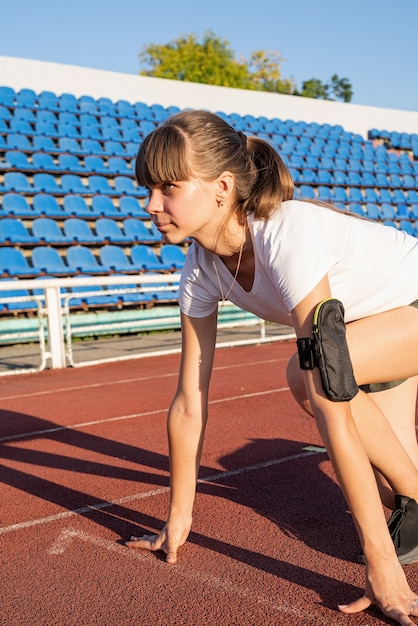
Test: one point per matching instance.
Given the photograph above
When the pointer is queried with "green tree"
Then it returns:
(265, 74)
(340, 88)
(314, 88)
(212, 61)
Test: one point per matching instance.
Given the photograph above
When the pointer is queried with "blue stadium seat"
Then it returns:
(44, 161)
(340, 195)
(48, 231)
(46, 183)
(357, 209)
(42, 142)
(12, 230)
(18, 160)
(115, 257)
(76, 205)
(68, 144)
(372, 211)
(46, 205)
(103, 206)
(70, 163)
(356, 195)
(353, 179)
(324, 193)
(100, 185)
(84, 260)
(73, 184)
(386, 196)
(118, 165)
(15, 204)
(18, 142)
(136, 230)
(134, 296)
(370, 195)
(46, 128)
(408, 227)
(5, 113)
(173, 255)
(145, 256)
(161, 292)
(126, 185)
(14, 263)
(95, 164)
(18, 182)
(387, 211)
(108, 230)
(80, 231)
(18, 293)
(46, 116)
(399, 197)
(130, 206)
(112, 133)
(47, 260)
(339, 177)
(114, 148)
(99, 296)
(20, 126)
(307, 192)
(91, 146)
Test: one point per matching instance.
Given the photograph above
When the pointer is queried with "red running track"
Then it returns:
(85, 467)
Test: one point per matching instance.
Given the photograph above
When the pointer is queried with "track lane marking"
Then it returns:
(219, 476)
(132, 380)
(39, 433)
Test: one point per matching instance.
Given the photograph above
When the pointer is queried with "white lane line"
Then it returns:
(124, 381)
(309, 451)
(46, 431)
(68, 536)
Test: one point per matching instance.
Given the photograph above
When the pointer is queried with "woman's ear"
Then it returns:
(224, 187)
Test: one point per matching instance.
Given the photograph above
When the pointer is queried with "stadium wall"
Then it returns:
(42, 76)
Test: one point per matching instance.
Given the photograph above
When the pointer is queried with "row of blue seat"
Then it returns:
(66, 163)
(95, 296)
(81, 259)
(84, 132)
(354, 178)
(72, 205)
(70, 183)
(356, 194)
(45, 230)
(83, 120)
(45, 143)
(48, 100)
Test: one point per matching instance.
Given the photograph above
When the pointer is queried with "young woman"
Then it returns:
(278, 258)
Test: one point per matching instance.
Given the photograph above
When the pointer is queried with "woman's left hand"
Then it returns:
(387, 588)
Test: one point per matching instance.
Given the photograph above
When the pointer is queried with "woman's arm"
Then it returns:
(186, 424)
(386, 583)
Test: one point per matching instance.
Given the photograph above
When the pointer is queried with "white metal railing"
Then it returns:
(54, 311)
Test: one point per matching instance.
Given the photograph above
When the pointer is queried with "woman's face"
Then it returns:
(184, 209)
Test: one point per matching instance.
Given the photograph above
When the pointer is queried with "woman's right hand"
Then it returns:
(169, 540)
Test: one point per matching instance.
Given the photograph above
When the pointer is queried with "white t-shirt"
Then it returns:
(371, 267)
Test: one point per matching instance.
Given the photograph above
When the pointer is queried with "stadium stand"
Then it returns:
(70, 206)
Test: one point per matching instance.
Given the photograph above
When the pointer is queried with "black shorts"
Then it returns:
(374, 387)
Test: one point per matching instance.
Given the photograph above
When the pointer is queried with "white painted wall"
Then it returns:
(42, 76)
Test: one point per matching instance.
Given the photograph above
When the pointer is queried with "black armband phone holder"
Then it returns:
(328, 350)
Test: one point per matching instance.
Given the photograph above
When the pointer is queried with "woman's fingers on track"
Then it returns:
(153, 543)
(399, 615)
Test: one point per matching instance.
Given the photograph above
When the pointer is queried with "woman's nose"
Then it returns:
(155, 204)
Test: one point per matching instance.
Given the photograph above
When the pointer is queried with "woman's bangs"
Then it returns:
(162, 158)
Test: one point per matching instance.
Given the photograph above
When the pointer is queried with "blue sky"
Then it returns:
(370, 42)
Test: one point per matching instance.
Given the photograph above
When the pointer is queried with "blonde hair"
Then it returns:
(200, 143)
